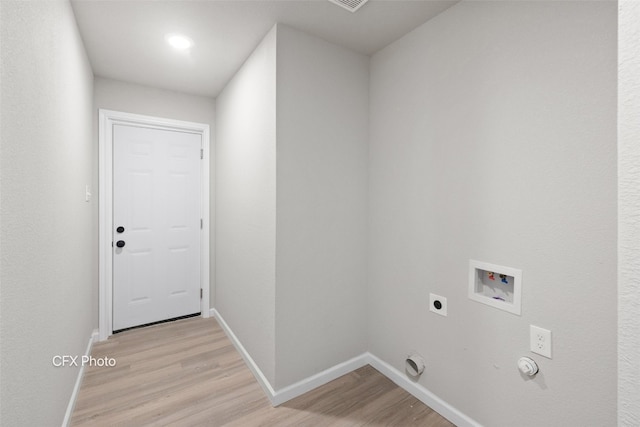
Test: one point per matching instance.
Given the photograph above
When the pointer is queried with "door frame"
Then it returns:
(106, 120)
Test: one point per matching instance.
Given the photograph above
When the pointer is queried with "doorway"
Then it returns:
(154, 220)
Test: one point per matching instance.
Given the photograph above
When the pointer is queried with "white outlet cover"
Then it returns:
(442, 311)
(540, 341)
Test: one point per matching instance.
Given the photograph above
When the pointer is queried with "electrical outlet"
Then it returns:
(438, 304)
(540, 341)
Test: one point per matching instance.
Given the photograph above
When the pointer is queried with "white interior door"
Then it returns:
(156, 221)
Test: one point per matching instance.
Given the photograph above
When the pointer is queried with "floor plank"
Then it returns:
(188, 373)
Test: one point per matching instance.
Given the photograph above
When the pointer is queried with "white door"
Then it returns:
(156, 225)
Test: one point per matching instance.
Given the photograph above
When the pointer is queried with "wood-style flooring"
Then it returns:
(187, 373)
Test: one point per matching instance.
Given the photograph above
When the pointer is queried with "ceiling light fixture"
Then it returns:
(178, 41)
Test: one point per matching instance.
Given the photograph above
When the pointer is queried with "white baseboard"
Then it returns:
(76, 388)
(319, 379)
(262, 380)
(421, 393)
(283, 395)
(294, 390)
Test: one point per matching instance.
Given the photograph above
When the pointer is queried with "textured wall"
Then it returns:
(132, 98)
(246, 204)
(493, 137)
(322, 113)
(48, 244)
(629, 214)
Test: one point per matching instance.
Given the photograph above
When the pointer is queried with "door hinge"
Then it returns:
(202, 153)
(201, 224)
(200, 293)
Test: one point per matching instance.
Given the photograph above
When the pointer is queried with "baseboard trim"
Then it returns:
(262, 380)
(319, 379)
(76, 388)
(294, 390)
(301, 387)
(421, 393)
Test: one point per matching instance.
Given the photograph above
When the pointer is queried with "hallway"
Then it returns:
(188, 373)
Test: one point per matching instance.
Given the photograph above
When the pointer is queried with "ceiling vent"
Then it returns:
(350, 5)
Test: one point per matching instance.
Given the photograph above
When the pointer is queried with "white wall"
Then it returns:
(48, 243)
(246, 204)
(628, 208)
(133, 98)
(493, 137)
(322, 111)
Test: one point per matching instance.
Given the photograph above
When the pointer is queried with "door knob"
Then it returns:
(120, 243)
(120, 229)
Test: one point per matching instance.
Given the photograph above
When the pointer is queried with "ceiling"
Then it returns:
(125, 39)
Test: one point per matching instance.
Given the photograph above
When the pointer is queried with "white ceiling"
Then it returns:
(125, 39)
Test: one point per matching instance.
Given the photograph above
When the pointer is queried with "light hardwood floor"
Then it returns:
(187, 373)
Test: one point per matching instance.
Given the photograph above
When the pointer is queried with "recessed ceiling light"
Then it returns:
(178, 41)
